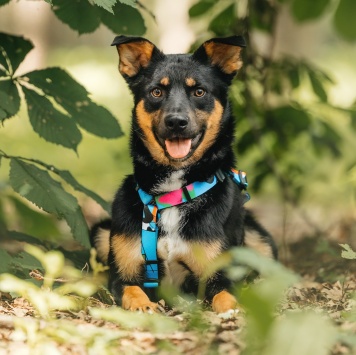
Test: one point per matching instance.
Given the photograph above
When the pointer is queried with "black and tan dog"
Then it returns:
(182, 201)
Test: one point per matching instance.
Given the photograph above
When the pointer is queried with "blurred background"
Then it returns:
(294, 99)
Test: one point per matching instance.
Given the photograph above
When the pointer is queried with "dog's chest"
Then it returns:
(172, 248)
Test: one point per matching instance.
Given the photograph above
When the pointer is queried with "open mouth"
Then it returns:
(182, 148)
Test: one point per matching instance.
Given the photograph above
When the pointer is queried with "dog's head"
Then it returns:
(179, 99)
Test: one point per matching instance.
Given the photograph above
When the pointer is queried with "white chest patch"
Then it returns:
(171, 247)
(172, 182)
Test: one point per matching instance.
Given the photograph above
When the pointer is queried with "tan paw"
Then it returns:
(223, 301)
(134, 299)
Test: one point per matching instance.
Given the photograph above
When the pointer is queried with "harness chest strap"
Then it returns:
(154, 204)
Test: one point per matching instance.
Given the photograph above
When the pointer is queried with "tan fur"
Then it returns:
(213, 127)
(225, 56)
(190, 82)
(254, 241)
(134, 299)
(134, 56)
(197, 256)
(102, 244)
(147, 120)
(127, 256)
(165, 81)
(223, 301)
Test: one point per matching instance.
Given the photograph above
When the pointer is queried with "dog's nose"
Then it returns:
(176, 123)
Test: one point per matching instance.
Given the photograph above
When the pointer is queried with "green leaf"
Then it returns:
(126, 20)
(95, 119)
(201, 7)
(105, 4)
(74, 98)
(79, 15)
(78, 227)
(9, 99)
(69, 178)
(37, 186)
(5, 259)
(221, 25)
(49, 123)
(344, 19)
(287, 122)
(22, 237)
(305, 333)
(304, 10)
(41, 225)
(129, 2)
(14, 51)
(348, 253)
(317, 86)
(4, 2)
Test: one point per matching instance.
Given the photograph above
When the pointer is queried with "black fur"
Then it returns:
(219, 214)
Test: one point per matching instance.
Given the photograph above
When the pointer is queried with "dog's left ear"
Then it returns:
(225, 53)
(135, 53)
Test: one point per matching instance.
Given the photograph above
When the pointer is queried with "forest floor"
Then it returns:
(328, 281)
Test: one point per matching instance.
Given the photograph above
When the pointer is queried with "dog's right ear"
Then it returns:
(135, 53)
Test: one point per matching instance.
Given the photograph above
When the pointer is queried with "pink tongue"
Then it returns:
(178, 147)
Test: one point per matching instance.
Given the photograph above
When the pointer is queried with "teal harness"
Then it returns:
(153, 205)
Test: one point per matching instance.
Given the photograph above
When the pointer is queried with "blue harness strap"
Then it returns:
(151, 214)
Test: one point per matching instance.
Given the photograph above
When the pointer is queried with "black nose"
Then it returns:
(176, 123)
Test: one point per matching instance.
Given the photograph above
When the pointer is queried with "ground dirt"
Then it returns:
(328, 282)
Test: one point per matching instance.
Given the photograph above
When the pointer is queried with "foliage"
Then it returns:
(270, 319)
(58, 108)
(274, 121)
(47, 298)
(347, 253)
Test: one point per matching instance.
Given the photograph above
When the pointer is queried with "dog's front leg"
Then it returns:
(217, 293)
(126, 274)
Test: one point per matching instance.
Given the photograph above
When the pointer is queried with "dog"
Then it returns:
(184, 204)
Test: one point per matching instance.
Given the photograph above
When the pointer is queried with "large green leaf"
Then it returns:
(79, 15)
(129, 2)
(42, 225)
(344, 19)
(49, 123)
(14, 50)
(78, 227)
(9, 99)
(69, 178)
(221, 25)
(95, 119)
(287, 122)
(304, 10)
(74, 98)
(201, 7)
(37, 186)
(3, 2)
(106, 4)
(126, 20)
(5, 259)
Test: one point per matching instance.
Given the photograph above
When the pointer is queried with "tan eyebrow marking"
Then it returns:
(165, 81)
(190, 82)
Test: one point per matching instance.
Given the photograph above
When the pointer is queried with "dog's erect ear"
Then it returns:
(135, 53)
(225, 53)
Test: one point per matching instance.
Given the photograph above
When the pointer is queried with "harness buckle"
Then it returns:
(220, 175)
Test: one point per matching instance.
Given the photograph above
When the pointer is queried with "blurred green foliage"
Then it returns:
(275, 130)
(279, 133)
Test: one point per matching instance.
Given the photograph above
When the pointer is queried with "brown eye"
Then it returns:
(199, 92)
(156, 92)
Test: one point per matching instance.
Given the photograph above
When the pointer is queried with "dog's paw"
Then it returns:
(223, 302)
(134, 299)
